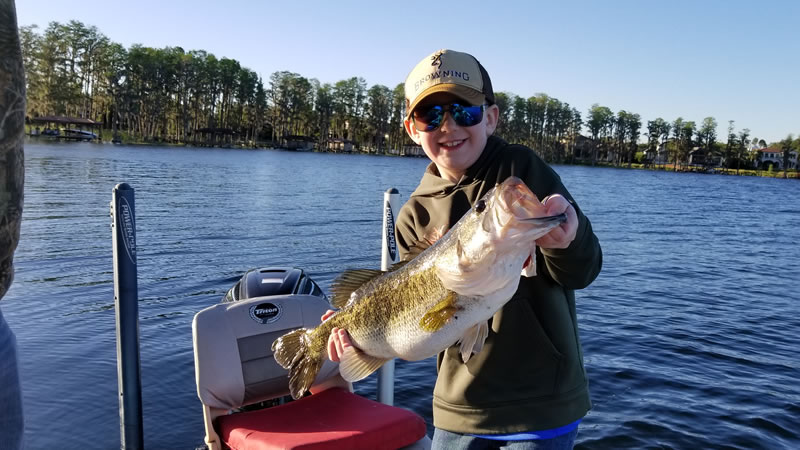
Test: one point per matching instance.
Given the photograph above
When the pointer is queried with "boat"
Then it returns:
(64, 128)
(245, 393)
(73, 133)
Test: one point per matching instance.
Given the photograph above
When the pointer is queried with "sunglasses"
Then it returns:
(430, 118)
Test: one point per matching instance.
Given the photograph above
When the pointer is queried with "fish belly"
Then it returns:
(414, 344)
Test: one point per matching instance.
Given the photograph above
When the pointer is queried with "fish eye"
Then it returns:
(480, 206)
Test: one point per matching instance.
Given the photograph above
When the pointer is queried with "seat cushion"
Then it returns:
(331, 419)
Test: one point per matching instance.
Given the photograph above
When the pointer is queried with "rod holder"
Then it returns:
(126, 306)
(389, 256)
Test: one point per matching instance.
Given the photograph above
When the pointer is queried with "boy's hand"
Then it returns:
(564, 234)
(338, 341)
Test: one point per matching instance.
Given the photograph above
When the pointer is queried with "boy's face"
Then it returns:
(453, 148)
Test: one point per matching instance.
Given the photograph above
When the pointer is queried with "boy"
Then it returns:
(527, 387)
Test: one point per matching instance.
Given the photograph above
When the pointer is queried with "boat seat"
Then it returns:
(234, 367)
(332, 419)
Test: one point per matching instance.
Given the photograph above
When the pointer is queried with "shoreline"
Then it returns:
(663, 167)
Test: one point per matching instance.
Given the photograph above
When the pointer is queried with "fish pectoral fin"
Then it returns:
(473, 340)
(355, 365)
(463, 262)
(343, 286)
(529, 268)
(440, 314)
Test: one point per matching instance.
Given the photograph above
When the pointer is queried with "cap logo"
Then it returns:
(436, 59)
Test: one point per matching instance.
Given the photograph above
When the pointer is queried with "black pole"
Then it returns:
(126, 303)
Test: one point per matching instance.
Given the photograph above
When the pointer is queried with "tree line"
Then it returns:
(169, 94)
(173, 95)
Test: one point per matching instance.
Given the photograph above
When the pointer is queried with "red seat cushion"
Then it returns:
(331, 419)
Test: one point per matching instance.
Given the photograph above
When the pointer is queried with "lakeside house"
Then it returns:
(581, 147)
(662, 154)
(214, 137)
(701, 157)
(698, 156)
(774, 157)
(339, 145)
(412, 150)
(298, 143)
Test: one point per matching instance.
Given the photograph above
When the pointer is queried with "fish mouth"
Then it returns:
(519, 202)
(519, 213)
(544, 221)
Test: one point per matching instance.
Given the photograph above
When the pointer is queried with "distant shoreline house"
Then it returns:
(214, 136)
(701, 157)
(774, 157)
(298, 143)
(582, 148)
(339, 145)
(659, 155)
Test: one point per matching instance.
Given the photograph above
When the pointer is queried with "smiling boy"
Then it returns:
(527, 387)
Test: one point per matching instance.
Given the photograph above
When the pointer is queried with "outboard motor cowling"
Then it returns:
(273, 281)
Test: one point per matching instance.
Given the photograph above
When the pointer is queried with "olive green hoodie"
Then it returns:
(529, 375)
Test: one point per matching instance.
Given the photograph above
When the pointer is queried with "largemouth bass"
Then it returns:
(445, 294)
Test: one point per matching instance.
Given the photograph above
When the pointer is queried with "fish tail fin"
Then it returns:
(292, 352)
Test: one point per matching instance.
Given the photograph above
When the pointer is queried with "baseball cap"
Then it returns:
(448, 71)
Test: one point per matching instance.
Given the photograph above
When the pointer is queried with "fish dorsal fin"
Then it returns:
(398, 265)
(473, 340)
(350, 280)
(417, 248)
(436, 317)
(355, 365)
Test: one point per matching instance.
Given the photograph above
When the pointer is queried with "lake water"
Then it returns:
(691, 332)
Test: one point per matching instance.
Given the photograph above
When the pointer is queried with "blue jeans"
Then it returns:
(445, 440)
(11, 423)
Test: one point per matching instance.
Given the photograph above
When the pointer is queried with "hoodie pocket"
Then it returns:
(519, 363)
(523, 362)
(535, 331)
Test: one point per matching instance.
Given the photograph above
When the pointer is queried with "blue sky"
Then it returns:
(733, 60)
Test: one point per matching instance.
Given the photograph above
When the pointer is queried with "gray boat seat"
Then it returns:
(234, 367)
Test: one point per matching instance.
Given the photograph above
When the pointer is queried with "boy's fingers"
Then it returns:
(564, 234)
(556, 204)
(571, 226)
(338, 341)
(344, 338)
(327, 314)
(333, 352)
(342, 341)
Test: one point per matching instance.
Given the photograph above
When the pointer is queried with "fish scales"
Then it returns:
(395, 307)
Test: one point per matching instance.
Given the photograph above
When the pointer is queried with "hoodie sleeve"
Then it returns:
(576, 266)
(405, 230)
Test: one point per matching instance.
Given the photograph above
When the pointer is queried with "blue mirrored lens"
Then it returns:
(431, 119)
(466, 116)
